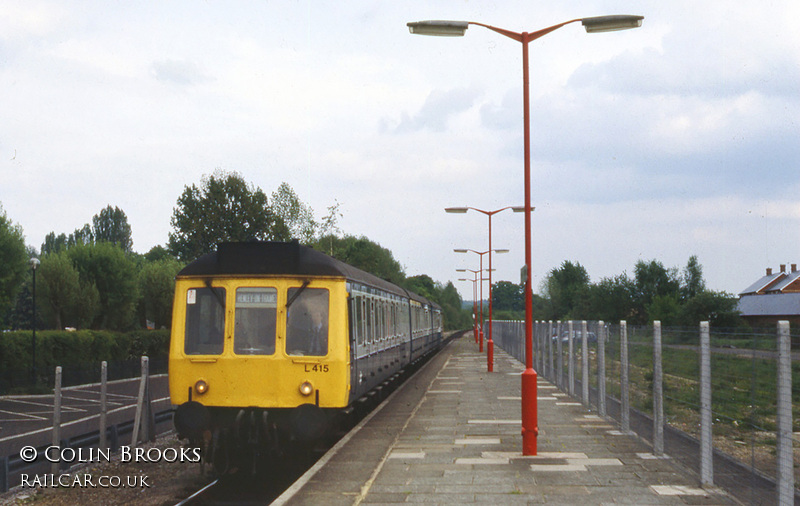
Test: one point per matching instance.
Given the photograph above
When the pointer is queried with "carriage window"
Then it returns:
(358, 327)
(368, 311)
(256, 310)
(307, 322)
(205, 321)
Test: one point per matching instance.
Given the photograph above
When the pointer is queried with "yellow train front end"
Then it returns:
(262, 356)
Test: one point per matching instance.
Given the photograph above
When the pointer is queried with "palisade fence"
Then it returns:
(722, 402)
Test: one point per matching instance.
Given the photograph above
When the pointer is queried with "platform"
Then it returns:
(451, 435)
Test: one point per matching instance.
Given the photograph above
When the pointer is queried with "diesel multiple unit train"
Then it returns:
(271, 341)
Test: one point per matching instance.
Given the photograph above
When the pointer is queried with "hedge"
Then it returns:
(79, 354)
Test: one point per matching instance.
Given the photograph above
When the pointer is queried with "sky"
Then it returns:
(675, 139)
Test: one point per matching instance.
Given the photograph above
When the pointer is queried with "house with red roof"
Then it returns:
(774, 297)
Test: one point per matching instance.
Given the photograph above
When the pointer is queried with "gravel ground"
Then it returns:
(143, 483)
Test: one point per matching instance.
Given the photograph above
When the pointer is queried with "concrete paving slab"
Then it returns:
(460, 441)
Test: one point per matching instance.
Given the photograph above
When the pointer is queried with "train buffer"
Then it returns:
(452, 434)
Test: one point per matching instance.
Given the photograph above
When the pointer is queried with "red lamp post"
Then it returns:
(597, 24)
(481, 253)
(474, 300)
(477, 307)
(462, 210)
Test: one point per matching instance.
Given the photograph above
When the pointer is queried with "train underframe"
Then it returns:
(248, 439)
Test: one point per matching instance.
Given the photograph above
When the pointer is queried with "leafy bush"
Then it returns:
(74, 351)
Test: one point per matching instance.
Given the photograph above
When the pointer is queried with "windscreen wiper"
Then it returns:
(297, 293)
(216, 294)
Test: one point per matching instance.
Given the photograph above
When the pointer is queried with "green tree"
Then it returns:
(717, 308)
(53, 243)
(157, 286)
(666, 309)
(224, 208)
(111, 225)
(298, 217)
(80, 236)
(113, 273)
(507, 296)
(60, 284)
(364, 254)
(157, 253)
(651, 280)
(13, 262)
(329, 229)
(612, 300)
(563, 287)
(422, 284)
(454, 316)
(692, 282)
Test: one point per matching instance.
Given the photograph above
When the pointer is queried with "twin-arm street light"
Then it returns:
(597, 24)
(462, 210)
(477, 310)
(474, 300)
(481, 253)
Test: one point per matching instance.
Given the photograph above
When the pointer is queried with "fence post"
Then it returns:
(706, 441)
(658, 393)
(4, 475)
(560, 357)
(144, 412)
(585, 363)
(56, 416)
(535, 346)
(549, 337)
(624, 377)
(571, 357)
(601, 368)
(784, 419)
(103, 403)
(540, 348)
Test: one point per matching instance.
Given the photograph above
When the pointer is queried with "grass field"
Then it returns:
(744, 402)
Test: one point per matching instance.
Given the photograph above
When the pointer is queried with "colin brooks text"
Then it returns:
(82, 481)
(69, 455)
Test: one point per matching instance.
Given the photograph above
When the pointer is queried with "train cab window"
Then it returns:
(255, 321)
(307, 322)
(205, 321)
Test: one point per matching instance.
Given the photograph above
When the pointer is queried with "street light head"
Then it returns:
(460, 250)
(34, 263)
(461, 270)
(459, 210)
(501, 251)
(439, 28)
(611, 23)
(521, 209)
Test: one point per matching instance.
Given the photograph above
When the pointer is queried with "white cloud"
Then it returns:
(675, 139)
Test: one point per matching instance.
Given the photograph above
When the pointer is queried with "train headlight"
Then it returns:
(201, 387)
(306, 388)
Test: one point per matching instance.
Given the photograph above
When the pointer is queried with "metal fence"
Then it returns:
(100, 422)
(723, 402)
(75, 374)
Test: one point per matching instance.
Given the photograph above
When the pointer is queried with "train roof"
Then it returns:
(262, 258)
